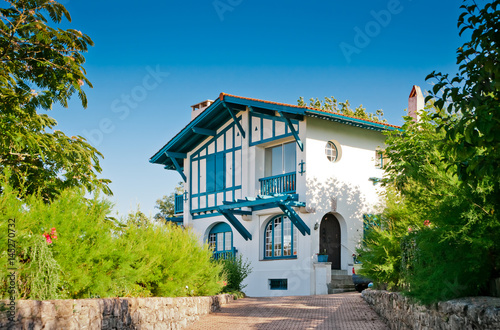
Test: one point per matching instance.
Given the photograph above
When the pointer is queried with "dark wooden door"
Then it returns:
(329, 239)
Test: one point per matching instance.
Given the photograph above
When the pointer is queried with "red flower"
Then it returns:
(47, 238)
(51, 236)
(427, 223)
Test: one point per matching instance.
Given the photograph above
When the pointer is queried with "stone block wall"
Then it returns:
(112, 313)
(464, 313)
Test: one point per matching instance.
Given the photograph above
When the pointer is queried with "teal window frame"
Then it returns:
(329, 148)
(285, 165)
(276, 234)
(214, 235)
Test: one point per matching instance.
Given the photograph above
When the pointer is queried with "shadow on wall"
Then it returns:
(333, 195)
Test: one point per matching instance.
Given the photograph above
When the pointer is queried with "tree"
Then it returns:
(470, 101)
(437, 238)
(166, 204)
(137, 219)
(40, 66)
(332, 105)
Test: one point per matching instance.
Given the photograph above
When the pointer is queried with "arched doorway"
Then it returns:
(329, 239)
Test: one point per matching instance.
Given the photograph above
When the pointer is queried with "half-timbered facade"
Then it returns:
(277, 184)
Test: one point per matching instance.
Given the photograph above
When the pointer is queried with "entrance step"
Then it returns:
(341, 279)
(341, 283)
(334, 291)
(339, 272)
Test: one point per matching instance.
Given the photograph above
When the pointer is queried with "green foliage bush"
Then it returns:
(438, 236)
(236, 270)
(96, 256)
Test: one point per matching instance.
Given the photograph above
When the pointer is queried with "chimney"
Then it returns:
(199, 107)
(416, 102)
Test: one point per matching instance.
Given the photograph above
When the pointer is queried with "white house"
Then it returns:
(277, 183)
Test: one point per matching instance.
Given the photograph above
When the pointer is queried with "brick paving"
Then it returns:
(335, 311)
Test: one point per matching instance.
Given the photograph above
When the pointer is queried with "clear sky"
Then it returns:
(152, 60)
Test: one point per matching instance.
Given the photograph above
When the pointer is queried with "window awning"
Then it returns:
(284, 202)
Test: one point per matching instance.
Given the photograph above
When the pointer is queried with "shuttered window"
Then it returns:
(216, 172)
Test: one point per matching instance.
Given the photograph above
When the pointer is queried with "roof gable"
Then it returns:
(227, 106)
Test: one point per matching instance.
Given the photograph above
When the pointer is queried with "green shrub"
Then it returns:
(172, 262)
(236, 270)
(438, 237)
(96, 256)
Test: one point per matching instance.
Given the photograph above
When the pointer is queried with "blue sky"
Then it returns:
(152, 60)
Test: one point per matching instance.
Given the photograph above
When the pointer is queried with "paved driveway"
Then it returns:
(334, 311)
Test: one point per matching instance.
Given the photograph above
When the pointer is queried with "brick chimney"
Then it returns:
(199, 107)
(416, 102)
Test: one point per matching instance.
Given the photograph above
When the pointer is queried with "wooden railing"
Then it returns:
(225, 254)
(179, 204)
(278, 184)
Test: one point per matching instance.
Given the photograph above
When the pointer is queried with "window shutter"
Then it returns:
(211, 173)
(220, 173)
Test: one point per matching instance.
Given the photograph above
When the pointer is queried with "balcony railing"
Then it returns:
(278, 184)
(179, 204)
(225, 254)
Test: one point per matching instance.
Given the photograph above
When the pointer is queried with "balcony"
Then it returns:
(278, 184)
(179, 204)
(225, 254)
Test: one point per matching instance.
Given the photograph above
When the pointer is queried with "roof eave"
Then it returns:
(186, 132)
(352, 121)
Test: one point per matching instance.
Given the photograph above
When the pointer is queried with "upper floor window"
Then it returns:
(216, 172)
(333, 151)
(280, 238)
(380, 159)
(280, 159)
(220, 239)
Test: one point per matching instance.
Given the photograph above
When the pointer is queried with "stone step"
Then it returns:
(341, 282)
(339, 272)
(337, 287)
(333, 291)
(341, 279)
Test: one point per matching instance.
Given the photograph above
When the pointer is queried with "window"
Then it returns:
(280, 159)
(216, 173)
(278, 284)
(380, 159)
(280, 238)
(333, 151)
(220, 240)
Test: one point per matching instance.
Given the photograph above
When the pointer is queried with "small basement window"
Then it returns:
(278, 284)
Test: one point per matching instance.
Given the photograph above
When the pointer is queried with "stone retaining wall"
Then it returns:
(457, 314)
(113, 313)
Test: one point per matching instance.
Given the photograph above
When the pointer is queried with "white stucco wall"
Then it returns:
(343, 187)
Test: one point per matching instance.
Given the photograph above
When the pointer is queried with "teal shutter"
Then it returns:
(211, 173)
(220, 173)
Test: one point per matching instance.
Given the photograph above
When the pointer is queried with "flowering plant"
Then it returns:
(322, 253)
(51, 236)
